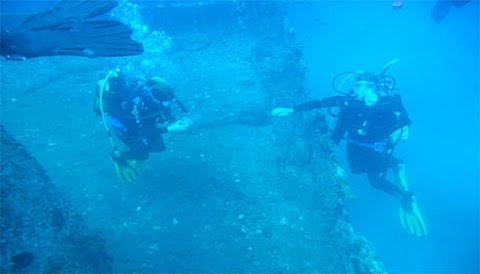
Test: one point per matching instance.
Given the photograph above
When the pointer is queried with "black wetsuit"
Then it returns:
(367, 131)
(134, 117)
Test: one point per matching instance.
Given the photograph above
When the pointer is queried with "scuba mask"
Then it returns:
(349, 83)
(365, 91)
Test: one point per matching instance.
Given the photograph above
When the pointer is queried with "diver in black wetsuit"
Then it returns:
(372, 123)
(138, 112)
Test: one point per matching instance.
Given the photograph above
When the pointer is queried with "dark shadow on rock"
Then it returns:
(40, 231)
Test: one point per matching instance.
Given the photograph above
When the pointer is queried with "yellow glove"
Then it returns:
(127, 170)
(412, 219)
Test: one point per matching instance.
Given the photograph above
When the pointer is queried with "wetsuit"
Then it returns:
(135, 116)
(367, 131)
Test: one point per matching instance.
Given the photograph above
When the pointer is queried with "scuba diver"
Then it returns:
(67, 29)
(372, 120)
(138, 112)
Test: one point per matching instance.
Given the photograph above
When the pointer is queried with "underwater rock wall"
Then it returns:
(267, 193)
(40, 231)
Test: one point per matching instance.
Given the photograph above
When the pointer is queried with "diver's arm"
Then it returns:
(403, 118)
(172, 125)
(326, 102)
(401, 127)
(323, 103)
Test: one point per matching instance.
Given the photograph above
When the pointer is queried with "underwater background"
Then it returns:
(214, 180)
(438, 78)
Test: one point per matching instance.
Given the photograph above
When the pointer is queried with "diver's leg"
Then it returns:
(138, 149)
(155, 141)
(378, 180)
(399, 173)
(358, 158)
(366, 160)
(398, 168)
(135, 139)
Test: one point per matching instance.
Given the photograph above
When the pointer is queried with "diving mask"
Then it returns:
(365, 90)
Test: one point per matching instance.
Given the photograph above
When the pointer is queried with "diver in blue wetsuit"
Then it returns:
(372, 122)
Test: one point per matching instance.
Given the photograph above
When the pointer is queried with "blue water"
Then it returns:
(438, 76)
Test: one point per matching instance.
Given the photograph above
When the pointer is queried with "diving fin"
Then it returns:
(98, 38)
(442, 8)
(68, 11)
(65, 30)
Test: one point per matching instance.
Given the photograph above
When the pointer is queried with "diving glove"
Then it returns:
(127, 170)
(282, 111)
(180, 125)
(411, 218)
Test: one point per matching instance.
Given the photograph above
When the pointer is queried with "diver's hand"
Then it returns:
(282, 111)
(412, 219)
(179, 126)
